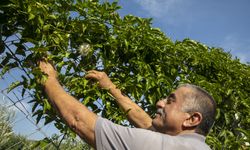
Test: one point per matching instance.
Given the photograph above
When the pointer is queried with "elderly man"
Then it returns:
(182, 121)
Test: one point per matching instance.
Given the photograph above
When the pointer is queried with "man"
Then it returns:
(182, 121)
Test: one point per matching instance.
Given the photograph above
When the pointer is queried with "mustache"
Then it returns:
(160, 111)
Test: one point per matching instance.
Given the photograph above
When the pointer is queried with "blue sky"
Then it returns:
(218, 23)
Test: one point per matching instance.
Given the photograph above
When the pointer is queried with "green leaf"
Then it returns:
(245, 132)
(34, 105)
(31, 16)
(13, 86)
(48, 120)
(20, 50)
(5, 61)
(39, 116)
(46, 105)
(2, 47)
(46, 27)
(40, 20)
(52, 16)
(29, 9)
(218, 113)
(23, 91)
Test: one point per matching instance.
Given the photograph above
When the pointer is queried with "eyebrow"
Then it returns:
(172, 95)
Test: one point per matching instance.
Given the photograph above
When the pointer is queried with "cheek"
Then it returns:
(166, 117)
(171, 116)
(178, 118)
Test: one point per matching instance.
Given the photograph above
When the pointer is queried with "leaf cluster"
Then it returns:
(141, 60)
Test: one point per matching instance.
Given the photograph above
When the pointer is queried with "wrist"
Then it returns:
(111, 87)
(50, 81)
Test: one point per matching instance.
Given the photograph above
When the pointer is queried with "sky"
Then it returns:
(217, 23)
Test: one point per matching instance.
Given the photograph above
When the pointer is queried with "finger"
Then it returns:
(43, 59)
(41, 64)
(93, 71)
(90, 76)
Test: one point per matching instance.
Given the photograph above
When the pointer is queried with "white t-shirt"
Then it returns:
(110, 136)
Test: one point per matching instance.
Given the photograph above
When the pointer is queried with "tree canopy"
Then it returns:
(79, 35)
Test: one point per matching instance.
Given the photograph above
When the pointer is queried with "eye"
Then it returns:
(167, 100)
(170, 99)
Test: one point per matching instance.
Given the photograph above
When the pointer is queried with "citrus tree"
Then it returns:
(79, 35)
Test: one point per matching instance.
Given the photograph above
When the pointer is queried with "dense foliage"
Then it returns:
(86, 34)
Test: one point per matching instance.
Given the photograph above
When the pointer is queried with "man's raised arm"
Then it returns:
(76, 115)
(136, 115)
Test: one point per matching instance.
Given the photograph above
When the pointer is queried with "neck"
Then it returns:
(186, 132)
(180, 132)
(173, 133)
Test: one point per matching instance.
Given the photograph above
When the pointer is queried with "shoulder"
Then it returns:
(193, 141)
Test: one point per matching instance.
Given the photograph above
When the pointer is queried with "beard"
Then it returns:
(163, 123)
(159, 120)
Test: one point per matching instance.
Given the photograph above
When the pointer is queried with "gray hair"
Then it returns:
(199, 100)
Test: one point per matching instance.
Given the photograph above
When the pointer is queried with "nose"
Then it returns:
(160, 104)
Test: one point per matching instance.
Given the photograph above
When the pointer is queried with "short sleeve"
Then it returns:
(110, 136)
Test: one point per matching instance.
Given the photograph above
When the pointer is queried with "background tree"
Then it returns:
(88, 34)
(6, 119)
(65, 142)
(8, 139)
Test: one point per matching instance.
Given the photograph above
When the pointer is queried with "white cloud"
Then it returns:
(158, 8)
(19, 107)
(164, 9)
(237, 47)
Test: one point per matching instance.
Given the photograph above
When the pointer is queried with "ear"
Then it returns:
(192, 120)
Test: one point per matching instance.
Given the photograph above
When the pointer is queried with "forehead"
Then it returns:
(180, 93)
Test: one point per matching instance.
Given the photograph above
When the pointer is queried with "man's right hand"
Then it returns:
(48, 69)
(102, 78)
